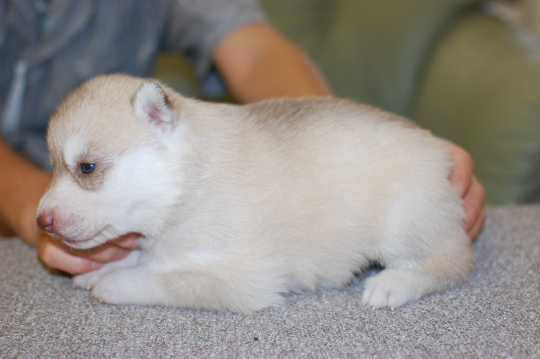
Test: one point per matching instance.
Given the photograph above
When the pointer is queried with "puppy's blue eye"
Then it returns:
(87, 168)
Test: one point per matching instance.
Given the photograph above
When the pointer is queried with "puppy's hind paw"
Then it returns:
(391, 288)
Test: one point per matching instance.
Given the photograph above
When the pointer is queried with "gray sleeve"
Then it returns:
(196, 27)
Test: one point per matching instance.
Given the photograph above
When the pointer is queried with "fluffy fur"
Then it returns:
(238, 205)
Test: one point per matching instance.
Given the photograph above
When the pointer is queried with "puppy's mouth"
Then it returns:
(76, 243)
(105, 235)
(87, 243)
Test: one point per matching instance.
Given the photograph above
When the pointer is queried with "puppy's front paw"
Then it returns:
(87, 280)
(109, 290)
(391, 288)
(106, 286)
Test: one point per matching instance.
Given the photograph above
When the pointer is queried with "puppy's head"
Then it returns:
(113, 173)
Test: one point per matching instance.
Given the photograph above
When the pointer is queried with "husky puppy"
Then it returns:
(238, 205)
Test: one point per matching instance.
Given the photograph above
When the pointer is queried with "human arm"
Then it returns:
(257, 63)
(21, 186)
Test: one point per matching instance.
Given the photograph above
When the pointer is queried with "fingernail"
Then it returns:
(459, 185)
(95, 265)
(130, 241)
(123, 253)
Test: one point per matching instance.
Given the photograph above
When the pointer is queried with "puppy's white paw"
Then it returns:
(87, 280)
(392, 288)
(110, 289)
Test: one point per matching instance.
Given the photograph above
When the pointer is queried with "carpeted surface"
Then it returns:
(495, 314)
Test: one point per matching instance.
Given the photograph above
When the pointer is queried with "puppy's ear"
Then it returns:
(151, 104)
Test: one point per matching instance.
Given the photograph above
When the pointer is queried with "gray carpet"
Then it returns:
(495, 314)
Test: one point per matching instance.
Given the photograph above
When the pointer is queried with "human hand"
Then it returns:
(470, 189)
(57, 255)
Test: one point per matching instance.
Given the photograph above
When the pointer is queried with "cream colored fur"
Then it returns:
(239, 205)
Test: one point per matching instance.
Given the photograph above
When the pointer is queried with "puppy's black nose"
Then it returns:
(45, 222)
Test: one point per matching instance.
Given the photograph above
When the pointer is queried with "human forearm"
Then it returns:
(21, 186)
(258, 63)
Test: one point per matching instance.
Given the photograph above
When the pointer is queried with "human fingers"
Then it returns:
(56, 257)
(127, 241)
(474, 201)
(476, 228)
(462, 172)
(111, 251)
(104, 253)
(470, 189)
